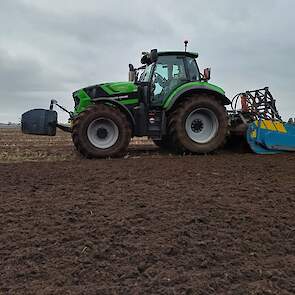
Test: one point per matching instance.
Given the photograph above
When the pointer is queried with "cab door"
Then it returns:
(169, 73)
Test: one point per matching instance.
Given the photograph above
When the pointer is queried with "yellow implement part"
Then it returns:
(272, 125)
(254, 134)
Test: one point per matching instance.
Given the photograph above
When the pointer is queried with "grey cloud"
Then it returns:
(50, 48)
(22, 74)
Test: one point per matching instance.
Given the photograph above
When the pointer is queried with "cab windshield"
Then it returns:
(146, 74)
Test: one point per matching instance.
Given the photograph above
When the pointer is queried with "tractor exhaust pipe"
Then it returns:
(132, 73)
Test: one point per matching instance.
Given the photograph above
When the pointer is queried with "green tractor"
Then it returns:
(167, 99)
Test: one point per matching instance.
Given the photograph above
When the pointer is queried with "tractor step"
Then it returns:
(156, 119)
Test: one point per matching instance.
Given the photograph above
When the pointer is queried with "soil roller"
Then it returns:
(271, 137)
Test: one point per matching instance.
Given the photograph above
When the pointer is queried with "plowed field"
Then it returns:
(150, 223)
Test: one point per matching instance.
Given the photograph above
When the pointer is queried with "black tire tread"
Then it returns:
(177, 132)
(81, 142)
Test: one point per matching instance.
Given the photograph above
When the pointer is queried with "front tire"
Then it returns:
(198, 125)
(101, 131)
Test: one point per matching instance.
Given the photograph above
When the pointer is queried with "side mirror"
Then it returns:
(132, 74)
(207, 74)
(149, 58)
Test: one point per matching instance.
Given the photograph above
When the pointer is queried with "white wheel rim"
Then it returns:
(103, 133)
(201, 125)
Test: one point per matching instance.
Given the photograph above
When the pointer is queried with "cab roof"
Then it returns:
(183, 53)
(149, 57)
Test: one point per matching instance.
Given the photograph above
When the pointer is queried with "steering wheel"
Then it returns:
(160, 80)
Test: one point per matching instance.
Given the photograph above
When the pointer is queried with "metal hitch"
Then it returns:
(43, 122)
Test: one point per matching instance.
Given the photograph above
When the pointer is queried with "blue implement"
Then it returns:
(271, 137)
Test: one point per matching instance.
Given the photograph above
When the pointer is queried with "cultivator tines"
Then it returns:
(259, 104)
(266, 133)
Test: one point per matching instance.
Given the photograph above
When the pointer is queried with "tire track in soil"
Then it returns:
(218, 224)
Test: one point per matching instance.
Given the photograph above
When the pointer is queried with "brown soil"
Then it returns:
(151, 223)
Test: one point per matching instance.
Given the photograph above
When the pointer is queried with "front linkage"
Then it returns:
(44, 122)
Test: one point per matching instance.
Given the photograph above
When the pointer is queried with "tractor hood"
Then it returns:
(123, 91)
(112, 89)
(119, 87)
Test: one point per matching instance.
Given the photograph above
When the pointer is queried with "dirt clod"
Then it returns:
(224, 224)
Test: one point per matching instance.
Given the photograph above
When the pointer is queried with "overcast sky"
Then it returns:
(49, 48)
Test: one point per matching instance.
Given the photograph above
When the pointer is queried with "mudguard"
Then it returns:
(195, 87)
(116, 103)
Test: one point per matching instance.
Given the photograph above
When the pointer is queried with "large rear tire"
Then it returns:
(101, 131)
(199, 124)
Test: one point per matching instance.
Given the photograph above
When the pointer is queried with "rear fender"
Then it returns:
(171, 101)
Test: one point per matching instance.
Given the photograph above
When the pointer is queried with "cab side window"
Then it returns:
(193, 69)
